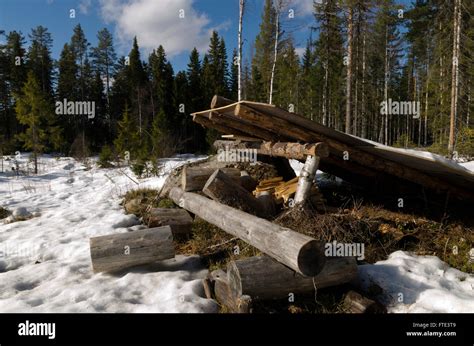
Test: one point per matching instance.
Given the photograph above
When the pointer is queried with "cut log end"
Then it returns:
(311, 258)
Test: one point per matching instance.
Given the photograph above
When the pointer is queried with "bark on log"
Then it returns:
(178, 219)
(288, 150)
(194, 178)
(221, 188)
(301, 253)
(306, 179)
(358, 304)
(119, 251)
(210, 280)
(263, 278)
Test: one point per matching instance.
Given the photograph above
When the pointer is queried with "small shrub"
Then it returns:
(106, 157)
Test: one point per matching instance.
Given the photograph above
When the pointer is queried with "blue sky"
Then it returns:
(154, 22)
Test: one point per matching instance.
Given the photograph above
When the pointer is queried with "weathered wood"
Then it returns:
(261, 277)
(210, 280)
(221, 188)
(123, 250)
(219, 101)
(301, 253)
(247, 182)
(194, 178)
(358, 304)
(178, 219)
(307, 174)
(223, 294)
(281, 149)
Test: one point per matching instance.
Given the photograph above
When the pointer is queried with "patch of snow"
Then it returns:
(421, 284)
(45, 261)
(468, 165)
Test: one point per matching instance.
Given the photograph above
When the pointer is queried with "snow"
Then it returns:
(426, 284)
(45, 261)
(421, 154)
(468, 165)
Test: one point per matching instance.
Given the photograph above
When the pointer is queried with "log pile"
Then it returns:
(275, 132)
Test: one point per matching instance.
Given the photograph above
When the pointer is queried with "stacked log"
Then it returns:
(301, 253)
(263, 278)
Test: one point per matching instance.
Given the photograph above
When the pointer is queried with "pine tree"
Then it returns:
(127, 138)
(34, 110)
(263, 58)
(104, 58)
(39, 58)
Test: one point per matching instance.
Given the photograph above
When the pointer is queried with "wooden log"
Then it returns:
(307, 174)
(221, 188)
(247, 182)
(280, 149)
(178, 219)
(219, 101)
(301, 253)
(114, 252)
(300, 128)
(217, 126)
(267, 203)
(194, 178)
(358, 304)
(264, 278)
(210, 280)
(223, 294)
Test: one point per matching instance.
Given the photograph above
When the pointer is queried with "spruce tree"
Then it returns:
(34, 111)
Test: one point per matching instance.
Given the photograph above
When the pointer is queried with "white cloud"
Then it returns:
(158, 22)
(300, 51)
(303, 7)
(84, 6)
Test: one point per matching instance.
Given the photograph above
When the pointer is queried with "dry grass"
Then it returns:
(4, 213)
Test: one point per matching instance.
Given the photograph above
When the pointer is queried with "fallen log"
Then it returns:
(221, 188)
(178, 219)
(264, 278)
(194, 178)
(209, 281)
(287, 150)
(119, 251)
(358, 304)
(301, 253)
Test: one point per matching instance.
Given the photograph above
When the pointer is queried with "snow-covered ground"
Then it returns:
(420, 284)
(45, 261)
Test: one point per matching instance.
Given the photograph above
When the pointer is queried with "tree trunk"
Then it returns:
(114, 252)
(261, 277)
(349, 72)
(301, 253)
(455, 76)
(306, 179)
(239, 66)
(275, 49)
